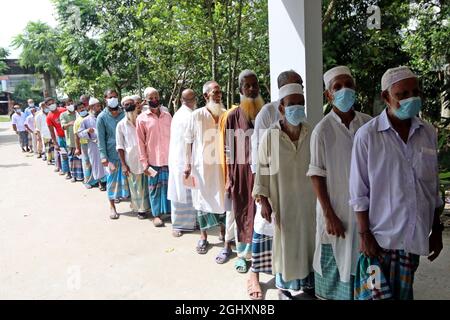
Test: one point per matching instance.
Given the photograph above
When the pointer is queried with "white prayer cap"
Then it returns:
(394, 75)
(136, 98)
(149, 90)
(126, 98)
(93, 101)
(289, 89)
(329, 76)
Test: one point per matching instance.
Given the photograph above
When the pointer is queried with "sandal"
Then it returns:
(202, 246)
(241, 266)
(158, 223)
(223, 256)
(253, 289)
(177, 234)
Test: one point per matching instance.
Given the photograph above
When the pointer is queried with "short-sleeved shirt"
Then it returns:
(19, 121)
(66, 118)
(53, 120)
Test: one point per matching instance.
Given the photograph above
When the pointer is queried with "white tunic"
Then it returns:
(203, 133)
(331, 153)
(126, 139)
(177, 151)
(41, 125)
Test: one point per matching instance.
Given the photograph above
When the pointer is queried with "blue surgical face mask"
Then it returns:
(83, 113)
(409, 108)
(344, 99)
(295, 114)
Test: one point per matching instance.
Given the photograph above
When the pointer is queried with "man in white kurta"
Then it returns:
(184, 215)
(284, 190)
(337, 248)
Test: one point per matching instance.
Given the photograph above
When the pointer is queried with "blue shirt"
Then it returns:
(396, 183)
(106, 132)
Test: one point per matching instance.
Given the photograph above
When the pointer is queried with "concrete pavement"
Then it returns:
(57, 242)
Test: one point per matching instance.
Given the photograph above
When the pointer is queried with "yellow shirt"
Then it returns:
(76, 127)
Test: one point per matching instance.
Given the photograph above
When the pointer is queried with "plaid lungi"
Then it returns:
(64, 158)
(184, 215)
(262, 253)
(138, 185)
(207, 220)
(76, 167)
(294, 285)
(116, 183)
(158, 192)
(329, 285)
(87, 166)
(392, 276)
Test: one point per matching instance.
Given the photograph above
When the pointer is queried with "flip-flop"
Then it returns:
(223, 256)
(202, 246)
(252, 289)
(241, 266)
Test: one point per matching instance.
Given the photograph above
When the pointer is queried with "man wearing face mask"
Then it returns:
(88, 132)
(394, 190)
(45, 147)
(58, 137)
(67, 120)
(81, 146)
(153, 131)
(127, 146)
(184, 216)
(117, 185)
(30, 126)
(282, 188)
(18, 124)
(336, 252)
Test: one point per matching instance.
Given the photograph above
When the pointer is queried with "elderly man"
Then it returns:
(152, 97)
(263, 230)
(31, 127)
(336, 253)
(67, 120)
(239, 180)
(43, 134)
(204, 168)
(153, 131)
(88, 132)
(84, 99)
(58, 137)
(18, 124)
(184, 216)
(116, 181)
(394, 190)
(127, 146)
(81, 146)
(283, 189)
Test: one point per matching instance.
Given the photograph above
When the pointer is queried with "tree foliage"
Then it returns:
(3, 55)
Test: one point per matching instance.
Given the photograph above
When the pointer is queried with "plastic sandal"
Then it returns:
(223, 256)
(202, 246)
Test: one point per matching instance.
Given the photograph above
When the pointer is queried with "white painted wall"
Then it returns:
(295, 31)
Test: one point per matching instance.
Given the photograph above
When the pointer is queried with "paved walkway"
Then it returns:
(57, 242)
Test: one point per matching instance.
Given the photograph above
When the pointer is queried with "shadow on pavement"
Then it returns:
(8, 166)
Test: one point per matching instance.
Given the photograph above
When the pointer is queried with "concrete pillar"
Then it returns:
(295, 31)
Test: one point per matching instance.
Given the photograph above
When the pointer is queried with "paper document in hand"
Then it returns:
(190, 182)
(153, 172)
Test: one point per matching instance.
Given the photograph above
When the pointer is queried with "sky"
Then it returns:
(15, 14)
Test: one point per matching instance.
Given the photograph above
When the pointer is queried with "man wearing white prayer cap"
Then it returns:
(88, 132)
(336, 252)
(286, 194)
(394, 190)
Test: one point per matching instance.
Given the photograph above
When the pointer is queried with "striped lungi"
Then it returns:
(116, 183)
(392, 276)
(76, 166)
(262, 253)
(207, 220)
(158, 186)
(138, 185)
(329, 286)
(184, 216)
(63, 157)
(294, 285)
(87, 166)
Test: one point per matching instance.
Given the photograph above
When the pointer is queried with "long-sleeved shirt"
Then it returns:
(396, 183)
(154, 138)
(126, 140)
(106, 134)
(41, 125)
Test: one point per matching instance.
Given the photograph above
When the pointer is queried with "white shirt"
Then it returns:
(177, 152)
(30, 122)
(19, 121)
(41, 125)
(396, 183)
(126, 139)
(203, 133)
(331, 150)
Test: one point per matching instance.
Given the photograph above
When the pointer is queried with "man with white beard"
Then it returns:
(239, 180)
(204, 166)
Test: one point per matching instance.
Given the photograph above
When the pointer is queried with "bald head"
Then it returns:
(189, 98)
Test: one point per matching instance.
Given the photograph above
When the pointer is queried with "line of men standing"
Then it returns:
(315, 207)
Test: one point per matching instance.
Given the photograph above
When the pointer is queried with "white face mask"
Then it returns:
(71, 108)
(31, 104)
(113, 103)
(52, 107)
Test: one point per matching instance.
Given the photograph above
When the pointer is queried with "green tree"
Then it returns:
(24, 91)
(3, 55)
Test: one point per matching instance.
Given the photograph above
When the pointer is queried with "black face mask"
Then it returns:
(130, 108)
(153, 104)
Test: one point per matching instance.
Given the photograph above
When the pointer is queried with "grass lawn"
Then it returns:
(5, 119)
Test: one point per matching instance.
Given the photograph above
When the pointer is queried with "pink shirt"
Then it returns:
(154, 138)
